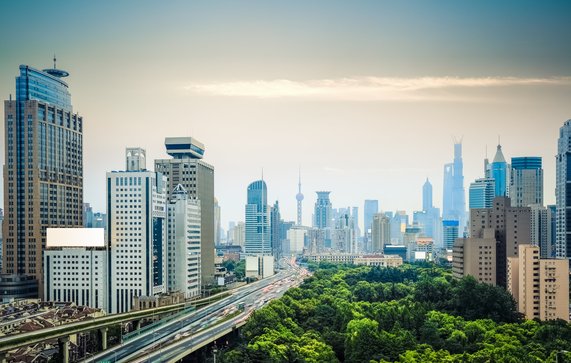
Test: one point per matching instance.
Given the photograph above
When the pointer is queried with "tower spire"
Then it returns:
(55, 61)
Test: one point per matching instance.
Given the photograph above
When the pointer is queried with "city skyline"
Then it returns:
(296, 105)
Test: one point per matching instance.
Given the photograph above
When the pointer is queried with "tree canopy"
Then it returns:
(415, 313)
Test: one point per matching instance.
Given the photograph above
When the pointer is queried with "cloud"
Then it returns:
(369, 88)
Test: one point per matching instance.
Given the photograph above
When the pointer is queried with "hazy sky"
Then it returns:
(366, 96)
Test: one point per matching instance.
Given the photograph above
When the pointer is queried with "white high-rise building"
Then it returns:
(76, 267)
(296, 239)
(183, 236)
(137, 233)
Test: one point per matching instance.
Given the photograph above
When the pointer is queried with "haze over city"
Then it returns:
(366, 97)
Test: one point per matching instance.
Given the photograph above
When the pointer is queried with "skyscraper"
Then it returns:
(275, 230)
(449, 233)
(322, 211)
(427, 196)
(541, 230)
(481, 193)
(258, 239)
(183, 243)
(299, 198)
(197, 177)
(526, 181)
(499, 171)
(563, 192)
(381, 232)
(137, 212)
(371, 208)
(43, 174)
(454, 197)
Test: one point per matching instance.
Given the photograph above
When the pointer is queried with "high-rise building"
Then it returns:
(540, 286)
(322, 214)
(258, 239)
(449, 233)
(541, 230)
(371, 208)
(454, 197)
(526, 181)
(475, 257)
(183, 243)
(43, 174)
(239, 234)
(197, 177)
(299, 199)
(429, 218)
(381, 232)
(499, 172)
(343, 235)
(137, 212)
(562, 192)
(355, 216)
(76, 267)
(427, 196)
(296, 239)
(482, 193)
(398, 226)
(512, 227)
(275, 228)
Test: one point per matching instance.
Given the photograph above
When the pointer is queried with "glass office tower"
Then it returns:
(43, 180)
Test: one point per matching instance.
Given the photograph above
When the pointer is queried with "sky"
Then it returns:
(365, 97)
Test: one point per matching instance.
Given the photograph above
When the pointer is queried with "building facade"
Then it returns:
(76, 267)
(449, 233)
(197, 177)
(499, 171)
(43, 173)
(258, 239)
(381, 232)
(475, 257)
(526, 181)
(563, 192)
(183, 244)
(322, 215)
(482, 192)
(136, 211)
(512, 226)
(454, 197)
(542, 230)
(540, 286)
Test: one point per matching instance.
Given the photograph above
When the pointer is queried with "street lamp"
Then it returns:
(557, 355)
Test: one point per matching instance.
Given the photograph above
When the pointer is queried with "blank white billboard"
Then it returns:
(75, 237)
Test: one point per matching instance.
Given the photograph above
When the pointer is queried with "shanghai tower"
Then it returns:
(43, 174)
(454, 197)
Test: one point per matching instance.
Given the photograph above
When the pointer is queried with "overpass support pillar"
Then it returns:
(103, 332)
(63, 343)
(136, 324)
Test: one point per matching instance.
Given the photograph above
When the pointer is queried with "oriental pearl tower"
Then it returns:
(299, 198)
